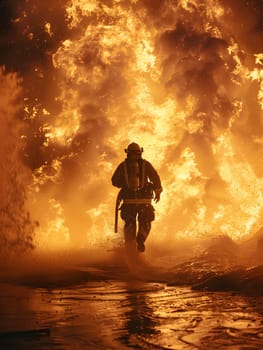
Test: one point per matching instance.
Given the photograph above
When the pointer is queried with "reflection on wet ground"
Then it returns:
(122, 315)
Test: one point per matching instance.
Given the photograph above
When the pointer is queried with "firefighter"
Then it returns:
(139, 183)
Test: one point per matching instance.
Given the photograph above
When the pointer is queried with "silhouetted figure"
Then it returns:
(139, 183)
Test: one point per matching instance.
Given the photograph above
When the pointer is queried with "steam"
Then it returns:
(182, 78)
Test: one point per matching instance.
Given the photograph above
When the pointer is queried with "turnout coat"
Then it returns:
(136, 179)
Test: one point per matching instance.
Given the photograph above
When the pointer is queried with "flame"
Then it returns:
(257, 75)
(48, 28)
(168, 75)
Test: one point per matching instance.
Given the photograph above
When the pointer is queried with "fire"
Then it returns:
(244, 188)
(48, 28)
(168, 75)
(257, 75)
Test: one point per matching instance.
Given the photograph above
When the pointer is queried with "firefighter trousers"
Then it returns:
(137, 218)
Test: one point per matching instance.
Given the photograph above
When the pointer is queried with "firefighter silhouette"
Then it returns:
(139, 183)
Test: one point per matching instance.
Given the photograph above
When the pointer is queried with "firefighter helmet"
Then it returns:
(134, 147)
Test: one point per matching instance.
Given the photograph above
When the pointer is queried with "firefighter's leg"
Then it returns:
(128, 214)
(145, 217)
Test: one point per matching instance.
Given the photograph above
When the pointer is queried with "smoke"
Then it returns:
(244, 20)
(181, 78)
(17, 230)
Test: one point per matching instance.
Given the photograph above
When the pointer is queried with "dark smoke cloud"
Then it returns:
(195, 64)
(244, 19)
(198, 63)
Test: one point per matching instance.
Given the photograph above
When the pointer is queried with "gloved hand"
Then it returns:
(157, 195)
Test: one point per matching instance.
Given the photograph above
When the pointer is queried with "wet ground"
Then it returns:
(121, 315)
(108, 307)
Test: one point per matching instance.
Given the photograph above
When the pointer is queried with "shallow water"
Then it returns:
(122, 300)
(121, 315)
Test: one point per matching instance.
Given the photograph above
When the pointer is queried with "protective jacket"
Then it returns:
(137, 179)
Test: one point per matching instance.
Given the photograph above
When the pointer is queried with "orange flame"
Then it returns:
(126, 76)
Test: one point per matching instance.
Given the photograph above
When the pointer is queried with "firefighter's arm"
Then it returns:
(157, 194)
(118, 178)
(155, 179)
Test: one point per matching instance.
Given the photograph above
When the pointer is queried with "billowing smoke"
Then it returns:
(17, 229)
(183, 78)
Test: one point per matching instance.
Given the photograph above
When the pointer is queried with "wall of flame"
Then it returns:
(182, 78)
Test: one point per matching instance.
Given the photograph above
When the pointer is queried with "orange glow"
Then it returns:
(175, 81)
(257, 74)
(48, 28)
